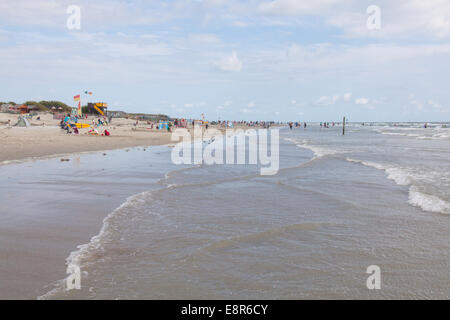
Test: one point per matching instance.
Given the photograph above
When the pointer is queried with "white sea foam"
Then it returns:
(392, 133)
(82, 257)
(428, 202)
(418, 132)
(442, 135)
(401, 177)
(319, 151)
(407, 177)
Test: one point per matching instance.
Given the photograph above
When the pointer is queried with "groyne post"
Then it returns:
(343, 126)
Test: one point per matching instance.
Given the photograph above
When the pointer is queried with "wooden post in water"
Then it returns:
(343, 126)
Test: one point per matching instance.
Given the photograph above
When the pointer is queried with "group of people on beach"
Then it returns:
(327, 124)
(72, 128)
(296, 124)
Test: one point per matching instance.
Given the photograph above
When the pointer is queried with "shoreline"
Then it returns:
(75, 152)
(40, 143)
(44, 139)
(43, 237)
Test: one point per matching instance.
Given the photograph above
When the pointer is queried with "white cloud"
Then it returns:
(428, 106)
(434, 104)
(117, 49)
(239, 24)
(203, 38)
(231, 63)
(362, 101)
(347, 96)
(45, 13)
(295, 7)
(325, 56)
(399, 19)
(214, 3)
(327, 100)
(178, 56)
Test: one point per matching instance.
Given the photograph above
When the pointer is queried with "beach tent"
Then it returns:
(163, 125)
(22, 122)
(198, 122)
(182, 123)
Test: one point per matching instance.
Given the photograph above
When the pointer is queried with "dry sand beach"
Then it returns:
(45, 138)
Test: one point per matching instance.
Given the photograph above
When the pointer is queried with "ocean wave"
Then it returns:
(89, 252)
(421, 133)
(428, 202)
(442, 135)
(401, 134)
(407, 177)
(319, 151)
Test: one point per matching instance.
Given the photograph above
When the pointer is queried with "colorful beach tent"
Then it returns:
(22, 122)
(163, 125)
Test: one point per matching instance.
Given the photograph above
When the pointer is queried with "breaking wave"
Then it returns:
(319, 151)
(407, 177)
(89, 252)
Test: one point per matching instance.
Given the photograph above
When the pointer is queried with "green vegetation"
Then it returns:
(84, 109)
(57, 104)
(44, 106)
(37, 104)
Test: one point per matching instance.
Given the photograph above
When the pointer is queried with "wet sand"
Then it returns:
(50, 207)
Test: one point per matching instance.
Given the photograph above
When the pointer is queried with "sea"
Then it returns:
(339, 204)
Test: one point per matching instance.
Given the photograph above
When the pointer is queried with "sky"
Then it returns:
(282, 60)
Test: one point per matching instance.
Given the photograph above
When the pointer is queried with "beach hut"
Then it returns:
(6, 107)
(23, 109)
